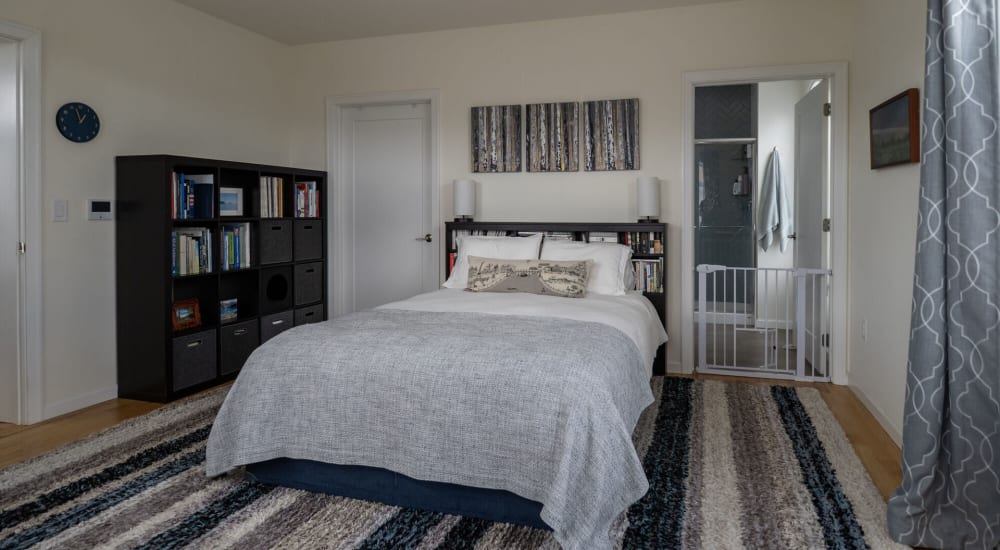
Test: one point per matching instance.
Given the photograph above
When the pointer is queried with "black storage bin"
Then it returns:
(194, 359)
(311, 314)
(275, 289)
(308, 283)
(308, 239)
(273, 325)
(238, 342)
(275, 241)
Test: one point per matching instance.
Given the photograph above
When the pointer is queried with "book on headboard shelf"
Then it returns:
(644, 242)
(648, 275)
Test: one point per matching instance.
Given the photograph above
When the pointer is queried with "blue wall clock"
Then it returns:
(78, 122)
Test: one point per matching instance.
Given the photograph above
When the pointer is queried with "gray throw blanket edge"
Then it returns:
(612, 482)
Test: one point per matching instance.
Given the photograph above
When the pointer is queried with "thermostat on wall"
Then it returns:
(100, 209)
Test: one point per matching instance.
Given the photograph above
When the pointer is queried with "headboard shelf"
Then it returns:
(647, 240)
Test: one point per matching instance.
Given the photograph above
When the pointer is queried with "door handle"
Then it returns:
(426, 238)
(792, 236)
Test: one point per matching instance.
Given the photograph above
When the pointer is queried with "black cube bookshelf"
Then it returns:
(270, 256)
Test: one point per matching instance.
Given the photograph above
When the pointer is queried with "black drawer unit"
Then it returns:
(308, 240)
(275, 289)
(194, 359)
(238, 342)
(308, 283)
(275, 241)
(273, 325)
(311, 314)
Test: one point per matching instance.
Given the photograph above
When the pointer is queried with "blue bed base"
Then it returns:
(386, 486)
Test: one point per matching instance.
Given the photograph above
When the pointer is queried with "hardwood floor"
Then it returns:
(19, 443)
(877, 451)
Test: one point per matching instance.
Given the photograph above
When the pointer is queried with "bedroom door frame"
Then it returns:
(836, 74)
(340, 231)
(28, 245)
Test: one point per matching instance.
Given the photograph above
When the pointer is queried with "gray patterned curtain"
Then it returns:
(950, 495)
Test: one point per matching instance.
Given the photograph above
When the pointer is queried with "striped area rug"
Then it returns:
(729, 466)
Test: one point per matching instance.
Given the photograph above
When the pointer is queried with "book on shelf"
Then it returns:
(227, 310)
(235, 246)
(648, 275)
(602, 237)
(459, 233)
(272, 196)
(306, 199)
(451, 261)
(193, 196)
(644, 242)
(191, 251)
(559, 236)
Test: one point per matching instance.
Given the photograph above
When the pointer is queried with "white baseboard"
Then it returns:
(881, 417)
(53, 410)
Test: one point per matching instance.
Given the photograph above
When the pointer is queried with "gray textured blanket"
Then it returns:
(541, 407)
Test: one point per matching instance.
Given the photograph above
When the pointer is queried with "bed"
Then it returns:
(512, 407)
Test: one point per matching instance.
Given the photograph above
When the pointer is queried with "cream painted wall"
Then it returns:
(164, 79)
(883, 209)
(167, 79)
(640, 55)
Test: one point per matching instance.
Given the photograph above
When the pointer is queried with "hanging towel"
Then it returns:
(774, 214)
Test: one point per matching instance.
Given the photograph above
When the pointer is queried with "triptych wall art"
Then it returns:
(553, 145)
(609, 132)
(611, 135)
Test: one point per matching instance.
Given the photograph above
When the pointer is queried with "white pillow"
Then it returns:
(607, 276)
(500, 248)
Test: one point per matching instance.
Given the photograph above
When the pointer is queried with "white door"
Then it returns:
(812, 148)
(10, 382)
(386, 151)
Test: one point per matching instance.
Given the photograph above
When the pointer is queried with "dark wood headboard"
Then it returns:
(647, 240)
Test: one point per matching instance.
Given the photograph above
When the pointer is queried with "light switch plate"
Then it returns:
(60, 210)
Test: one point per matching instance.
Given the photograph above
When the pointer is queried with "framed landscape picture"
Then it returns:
(230, 201)
(895, 130)
(185, 314)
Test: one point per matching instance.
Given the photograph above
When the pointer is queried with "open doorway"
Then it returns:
(760, 155)
(765, 146)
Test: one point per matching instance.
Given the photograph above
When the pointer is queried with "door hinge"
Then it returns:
(825, 341)
(826, 225)
(827, 109)
(20, 247)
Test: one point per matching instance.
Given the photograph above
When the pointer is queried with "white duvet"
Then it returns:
(632, 313)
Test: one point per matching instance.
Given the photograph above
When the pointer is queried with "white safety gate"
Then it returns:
(763, 322)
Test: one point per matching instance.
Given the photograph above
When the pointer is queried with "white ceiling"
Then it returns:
(306, 21)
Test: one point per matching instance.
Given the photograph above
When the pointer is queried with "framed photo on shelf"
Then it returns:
(895, 130)
(185, 314)
(230, 201)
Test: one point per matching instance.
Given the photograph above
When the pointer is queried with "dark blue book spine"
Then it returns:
(203, 200)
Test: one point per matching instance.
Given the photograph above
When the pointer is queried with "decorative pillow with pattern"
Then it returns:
(547, 277)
